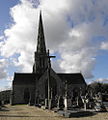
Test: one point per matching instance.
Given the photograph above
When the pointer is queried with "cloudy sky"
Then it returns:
(76, 31)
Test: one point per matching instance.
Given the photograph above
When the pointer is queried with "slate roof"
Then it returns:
(72, 78)
(29, 78)
(24, 78)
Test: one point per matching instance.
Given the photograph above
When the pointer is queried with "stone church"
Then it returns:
(44, 86)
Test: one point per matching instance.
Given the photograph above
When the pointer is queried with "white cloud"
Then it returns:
(1, 37)
(74, 44)
(104, 46)
(21, 36)
(3, 65)
(9, 80)
(105, 80)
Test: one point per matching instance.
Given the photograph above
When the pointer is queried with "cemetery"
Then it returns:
(80, 105)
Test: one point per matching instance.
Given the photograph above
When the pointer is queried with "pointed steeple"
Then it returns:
(41, 62)
(41, 47)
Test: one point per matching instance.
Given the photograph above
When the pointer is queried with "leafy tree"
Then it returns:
(98, 87)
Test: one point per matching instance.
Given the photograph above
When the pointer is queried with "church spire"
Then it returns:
(41, 62)
(41, 48)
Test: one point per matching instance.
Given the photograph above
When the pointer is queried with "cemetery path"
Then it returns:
(24, 112)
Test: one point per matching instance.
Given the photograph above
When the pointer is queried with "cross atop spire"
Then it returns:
(41, 47)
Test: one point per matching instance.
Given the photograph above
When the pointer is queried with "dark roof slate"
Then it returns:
(72, 78)
(24, 78)
(29, 78)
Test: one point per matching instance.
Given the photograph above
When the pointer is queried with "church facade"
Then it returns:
(44, 86)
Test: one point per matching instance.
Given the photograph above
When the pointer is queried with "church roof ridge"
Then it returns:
(25, 73)
(69, 73)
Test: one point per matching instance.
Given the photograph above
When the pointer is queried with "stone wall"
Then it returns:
(17, 95)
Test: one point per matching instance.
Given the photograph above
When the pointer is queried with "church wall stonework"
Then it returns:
(40, 87)
(18, 93)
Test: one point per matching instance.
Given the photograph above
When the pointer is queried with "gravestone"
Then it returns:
(67, 103)
(60, 103)
(0, 104)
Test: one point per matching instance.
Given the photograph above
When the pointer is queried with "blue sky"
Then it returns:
(76, 35)
(5, 20)
(101, 68)
(5, 6)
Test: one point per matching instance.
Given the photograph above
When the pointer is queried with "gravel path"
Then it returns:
(24, 112)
